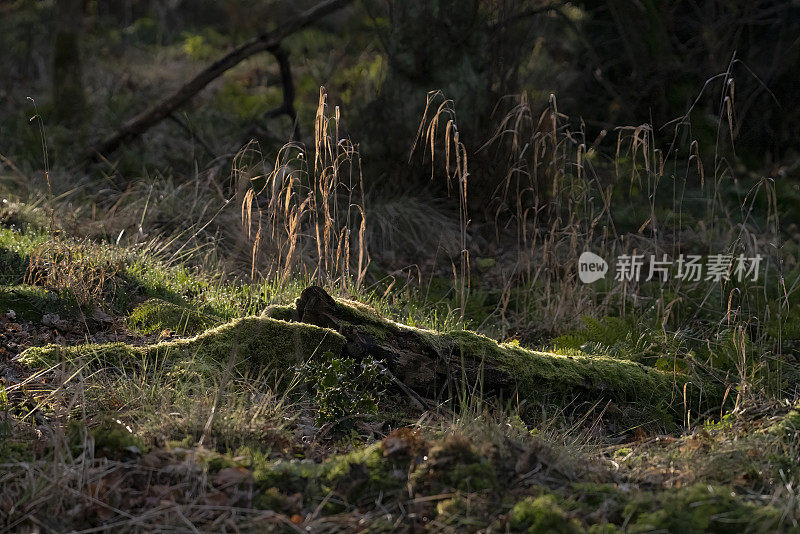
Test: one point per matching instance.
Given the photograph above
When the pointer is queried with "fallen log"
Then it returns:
(432, 363)
(428, 367)
(424, 361)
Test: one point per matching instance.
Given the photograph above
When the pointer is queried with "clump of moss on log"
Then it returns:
(424, 360)
(258, 343)
(156, 315)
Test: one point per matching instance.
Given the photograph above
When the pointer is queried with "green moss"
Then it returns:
(363, 474)
(157, 315)
(542, 375)
(454, 464)
(788, 425)
(358, 313)
(272, 499)
(699, 509)
(289, 476)
(357, 477)
(111, 437)
(466, 512)
(280, 311)
(259, 343)
(542, 515)
(95, 355)
(646, 394)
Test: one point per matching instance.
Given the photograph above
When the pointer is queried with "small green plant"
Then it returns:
(725, 423)
(345, 388)
(3, 395)
(5, 425)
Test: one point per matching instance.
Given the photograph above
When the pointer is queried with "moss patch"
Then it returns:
(699, 509)
(788, 425)
(538, 372)
(454, 464)
(541, 515)
(157, 315)
(259, 342)
(356, 477)
(280, 311)
(111, 439)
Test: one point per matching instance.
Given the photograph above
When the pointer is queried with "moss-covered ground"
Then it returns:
(184, 398)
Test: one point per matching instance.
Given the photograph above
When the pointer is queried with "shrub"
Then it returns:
(344, 387)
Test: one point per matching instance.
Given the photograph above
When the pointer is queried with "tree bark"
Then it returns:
(137, 125)
(429, 369)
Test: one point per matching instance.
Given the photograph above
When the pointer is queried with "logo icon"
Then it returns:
(591, 267)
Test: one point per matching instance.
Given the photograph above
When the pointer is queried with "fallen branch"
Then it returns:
(468, 365)
(139, 124)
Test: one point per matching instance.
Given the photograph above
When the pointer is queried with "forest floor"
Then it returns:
(164, 368)
(140, 397)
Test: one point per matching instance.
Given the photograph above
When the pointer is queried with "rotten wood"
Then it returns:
(412, 358)
(271, 41)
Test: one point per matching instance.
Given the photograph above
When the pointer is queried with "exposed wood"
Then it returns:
(139, 124)
(411, 356)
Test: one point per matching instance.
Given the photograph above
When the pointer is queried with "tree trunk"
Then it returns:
(69, 96)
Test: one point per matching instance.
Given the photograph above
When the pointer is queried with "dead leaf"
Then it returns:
(230, 477)
(691, 445)
(217, 498)
(101, 316)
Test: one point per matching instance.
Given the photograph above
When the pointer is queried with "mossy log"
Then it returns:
(433, 364)
(427, 365)
(257, 343)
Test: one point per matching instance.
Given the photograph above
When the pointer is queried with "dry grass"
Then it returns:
(309, 208)
(167, 490)
(456, 174)
(74, 268)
